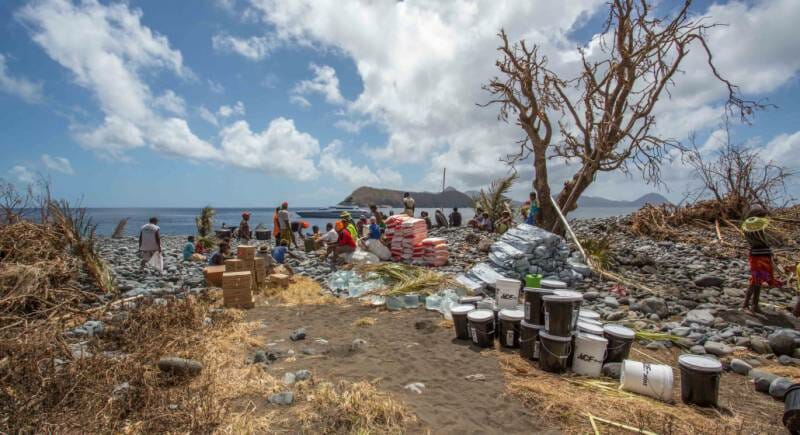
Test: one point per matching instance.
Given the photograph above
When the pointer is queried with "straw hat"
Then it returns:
(755, 224)
(345, 215)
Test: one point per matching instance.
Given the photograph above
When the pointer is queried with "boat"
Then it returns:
(333, 212)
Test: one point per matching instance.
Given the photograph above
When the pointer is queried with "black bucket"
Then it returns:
(481, 327)
(460, 323)
(262, 234)
(532, 301)
(699, 379)
(620, 340)
(508, 327)
(529, 340)
(791, 409)
(561, 312)
(554, 352)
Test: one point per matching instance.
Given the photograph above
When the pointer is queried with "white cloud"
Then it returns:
(253, 48)
(228, 111)
(208, 116)
(226, 5)
(299, 101)
(422, 65)
(279, 150)
(784, 150)
(351, 126)
(171, 102)
(324, 83)
(22, 174)
(343, 169)
(106, 48)
(19, 86)
(215, 87)
(58, 164)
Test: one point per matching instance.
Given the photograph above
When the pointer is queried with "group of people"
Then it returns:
(484, 222)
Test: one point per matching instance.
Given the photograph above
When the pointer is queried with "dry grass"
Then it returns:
(566, 400)
(302, 291)
(403, 279)
(354, 408)
(365, 321)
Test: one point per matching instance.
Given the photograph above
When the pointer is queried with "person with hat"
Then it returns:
(408, 204)
(760, 258)
(349, 225)
(344, 245)
(244, 228)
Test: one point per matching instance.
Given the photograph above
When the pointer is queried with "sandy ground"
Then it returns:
(416, 346)
(402, 348)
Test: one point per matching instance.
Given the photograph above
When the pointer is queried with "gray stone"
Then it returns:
(180, 366)
(762, 380)
(740, 367)
(302, 375)
(288, 378)
(284, 398)
(778, 387)
(298, 334)
(590, 296)
(782, 341)
(702, 317)
(615, 315)
(611, 301)
(681, 331)
(612, 370)
(654, 305)
(358, 344)
(698, 350)
(786, 360)
(717, 348)
(260, 357)
(708, 281)
(760, 345)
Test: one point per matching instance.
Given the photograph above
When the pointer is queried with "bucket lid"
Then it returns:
(590, 328)
(553, 283)
(546, 291)
(700, 363)
(619, 331)
(543, 334)
(480, 315)
(570, 293)
(589, 314)
(563, 296)
(591, 337)
(525, 324)
(509, 314)
(508, 282)
(462, 309)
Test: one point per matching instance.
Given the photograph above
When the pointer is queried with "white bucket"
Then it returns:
(507, 292)
(654, 380)
(590, 351)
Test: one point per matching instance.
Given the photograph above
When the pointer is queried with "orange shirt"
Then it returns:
(276, 226)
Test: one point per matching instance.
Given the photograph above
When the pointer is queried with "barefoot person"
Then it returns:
(761, 264)
(149, 241)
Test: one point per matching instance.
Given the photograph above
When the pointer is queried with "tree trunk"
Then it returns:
(547, 214)
(568, 197)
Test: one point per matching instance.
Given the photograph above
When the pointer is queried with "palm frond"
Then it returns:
(495, 200)
(205, 221)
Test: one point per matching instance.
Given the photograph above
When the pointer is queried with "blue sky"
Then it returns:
(250, 102)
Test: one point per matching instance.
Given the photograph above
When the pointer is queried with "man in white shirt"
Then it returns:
(149, 241)
(331, 236)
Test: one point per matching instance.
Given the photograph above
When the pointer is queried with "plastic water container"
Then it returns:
(654, 380)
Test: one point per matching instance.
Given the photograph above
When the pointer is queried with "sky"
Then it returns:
(183, 103)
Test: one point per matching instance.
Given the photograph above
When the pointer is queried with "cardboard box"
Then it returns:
(279, 280)
(234, 265)
(213, 275)
(238, 298)
(237, 280)
(310, 245)
(246, 252)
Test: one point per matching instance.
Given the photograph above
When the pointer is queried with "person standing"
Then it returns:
(533, 209)
(276, 226)
(455, 218)
(150, 242)
(408, 204)
(378, 216)
(760, 258)
(244, 227)
(285, 225)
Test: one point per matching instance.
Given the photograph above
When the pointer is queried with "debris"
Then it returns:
(358, 344)
(298, 334)
(415, 387)
(180, 366)
(475, 377)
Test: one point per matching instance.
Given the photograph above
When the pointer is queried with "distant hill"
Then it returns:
(365, 196)
(596, 201)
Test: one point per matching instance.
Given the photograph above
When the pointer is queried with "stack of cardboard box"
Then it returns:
(213, 275)
(234, 265)
(237, 289)
(247, 254)
(260, 271)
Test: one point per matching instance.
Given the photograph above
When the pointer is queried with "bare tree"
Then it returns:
(737, 177)
(13, 202)
(603, 117)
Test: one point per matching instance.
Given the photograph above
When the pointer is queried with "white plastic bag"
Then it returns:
(378, 248)
(157, 261)
(364, 257)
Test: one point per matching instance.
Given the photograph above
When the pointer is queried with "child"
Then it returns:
(761, 264)
(188, 249)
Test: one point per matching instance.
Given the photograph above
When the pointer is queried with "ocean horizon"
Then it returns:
(180, 221)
